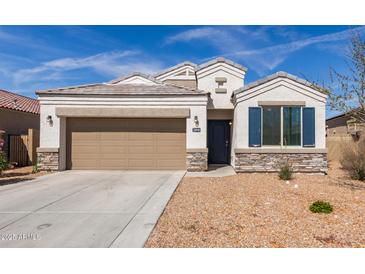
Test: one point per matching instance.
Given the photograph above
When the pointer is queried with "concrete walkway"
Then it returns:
(85, 208)
(214, 171)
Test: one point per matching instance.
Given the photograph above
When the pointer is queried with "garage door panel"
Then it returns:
(167, 164)
(142, 164)
(126, 143)
(85, 163)
(169, 143)
(135, 143)
(141, 150)
(170, 136)
(114, 136)
(170, 150)
(85, 157)
(85, 136)
(115, 144)
(141, 136)
(85, 150)
(116, 156)
(114, 164)
(114, 149)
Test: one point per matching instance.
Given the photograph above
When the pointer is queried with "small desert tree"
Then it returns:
(350, 96)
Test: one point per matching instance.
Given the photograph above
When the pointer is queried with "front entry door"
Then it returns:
(218, 142)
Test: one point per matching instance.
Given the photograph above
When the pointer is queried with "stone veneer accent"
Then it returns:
(197, 160)
(48, 159)
(271, 162)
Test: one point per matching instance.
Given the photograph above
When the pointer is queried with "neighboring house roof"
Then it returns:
(348, 114)
(280, 74)
(146, 76)
(18, 102)
(337, 116)
(185, 63)
(221, 60)
(125, 89)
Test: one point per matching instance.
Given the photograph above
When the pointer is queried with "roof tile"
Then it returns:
(18, 102)
(124, 89)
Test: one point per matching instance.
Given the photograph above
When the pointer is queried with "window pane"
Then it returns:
(291, 129)
(271, 126)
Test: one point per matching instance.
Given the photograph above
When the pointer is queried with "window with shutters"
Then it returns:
(281, 126)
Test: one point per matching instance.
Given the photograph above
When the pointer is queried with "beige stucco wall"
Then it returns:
(17, 122)
(338, 126)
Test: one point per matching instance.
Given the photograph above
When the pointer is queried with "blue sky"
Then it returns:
(40, 57)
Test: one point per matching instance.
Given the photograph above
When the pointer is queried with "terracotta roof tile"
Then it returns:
(18, 102)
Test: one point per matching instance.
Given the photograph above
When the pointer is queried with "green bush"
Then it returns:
(35, 168)
(321, 207)
(3, 162)
(353, 159)
(286, 172)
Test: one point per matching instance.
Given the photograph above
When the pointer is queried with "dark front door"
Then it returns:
(218, 142)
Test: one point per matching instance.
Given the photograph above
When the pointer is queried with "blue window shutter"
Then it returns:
(309, 126)
(254, 127)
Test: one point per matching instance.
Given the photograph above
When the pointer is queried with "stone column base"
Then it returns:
(271, 162)
(48, 159)
(197, 160)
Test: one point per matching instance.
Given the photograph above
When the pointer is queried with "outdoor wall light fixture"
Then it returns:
(49, 120)
(196, 121)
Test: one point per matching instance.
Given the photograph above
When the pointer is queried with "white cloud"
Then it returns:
(268, 58)
(236, 42)
(198, 33)
(111, 64)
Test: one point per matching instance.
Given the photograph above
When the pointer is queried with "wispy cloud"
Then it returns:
(110, 64)
(192, 34)
(235, 43)
(23, 40)
(268, 58)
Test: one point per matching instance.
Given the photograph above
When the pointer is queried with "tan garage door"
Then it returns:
(109, 143)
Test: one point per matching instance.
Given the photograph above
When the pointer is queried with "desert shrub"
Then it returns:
(35, 168)
(286, 172)
(3, 162)
(353, 159)
(321, 207)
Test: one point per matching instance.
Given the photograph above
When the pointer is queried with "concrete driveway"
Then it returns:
(85, 208)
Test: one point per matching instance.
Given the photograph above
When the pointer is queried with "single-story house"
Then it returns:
(186, 117)
(343, 125)
(17, 114)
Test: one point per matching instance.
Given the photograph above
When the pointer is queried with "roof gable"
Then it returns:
(279, 82)
(221, 60)
(182, 71)
(135, 78)
(220, 64)
(277, 75)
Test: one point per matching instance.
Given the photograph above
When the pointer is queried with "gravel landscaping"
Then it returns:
(260, 210)
(17, 175)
